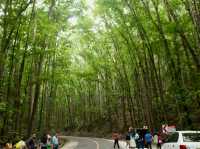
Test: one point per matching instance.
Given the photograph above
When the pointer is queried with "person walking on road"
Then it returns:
(148, 139)
(116, 137)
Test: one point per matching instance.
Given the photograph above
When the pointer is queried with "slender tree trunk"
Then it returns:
(36, 94)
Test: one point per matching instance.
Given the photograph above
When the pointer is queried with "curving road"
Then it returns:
(89, 143)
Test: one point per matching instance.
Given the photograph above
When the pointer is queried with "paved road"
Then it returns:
(90, 143)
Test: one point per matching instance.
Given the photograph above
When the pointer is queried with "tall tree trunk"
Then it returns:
(36, 94)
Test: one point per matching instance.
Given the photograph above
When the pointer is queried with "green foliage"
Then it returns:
(2, 106)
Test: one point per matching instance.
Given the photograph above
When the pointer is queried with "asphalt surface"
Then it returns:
(90, 143)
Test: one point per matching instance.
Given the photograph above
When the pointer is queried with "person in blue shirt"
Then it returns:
(148, 139)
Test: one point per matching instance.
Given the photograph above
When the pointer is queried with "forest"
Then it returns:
(98, 65)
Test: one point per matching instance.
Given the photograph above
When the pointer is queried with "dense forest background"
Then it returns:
(98, 65)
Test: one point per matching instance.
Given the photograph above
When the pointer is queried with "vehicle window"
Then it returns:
(191, 137)
(173, 137)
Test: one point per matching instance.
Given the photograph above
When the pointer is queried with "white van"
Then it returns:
(182, 140)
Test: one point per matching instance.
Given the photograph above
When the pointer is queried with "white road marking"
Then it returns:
(96, 144)
(92, 141)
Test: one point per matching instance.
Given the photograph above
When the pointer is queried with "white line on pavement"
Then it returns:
(93, 141)
(96, 144)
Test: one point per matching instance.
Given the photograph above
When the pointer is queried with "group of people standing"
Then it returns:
(138, 138)
(48, 142)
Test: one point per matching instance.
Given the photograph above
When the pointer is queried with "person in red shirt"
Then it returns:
(116, 138)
